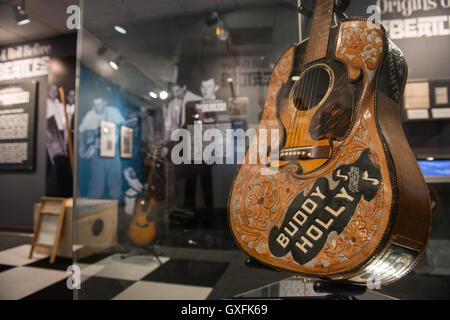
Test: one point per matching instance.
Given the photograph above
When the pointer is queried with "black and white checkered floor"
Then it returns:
(183, 274)
(111, 277)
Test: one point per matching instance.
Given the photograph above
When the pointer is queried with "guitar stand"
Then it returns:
(140, 251)
(336, 290)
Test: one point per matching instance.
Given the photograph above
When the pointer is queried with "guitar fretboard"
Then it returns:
(320, 31)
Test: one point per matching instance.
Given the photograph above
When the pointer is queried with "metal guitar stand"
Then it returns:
(338, 290)
(140, 251)
(131, 250)
(335, 290)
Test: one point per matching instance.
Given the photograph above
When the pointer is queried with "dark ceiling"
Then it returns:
(48, 18)
(159, 32)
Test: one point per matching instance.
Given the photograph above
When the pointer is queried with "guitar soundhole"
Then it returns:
(311, 87)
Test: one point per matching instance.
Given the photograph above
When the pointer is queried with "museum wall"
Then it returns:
(20, 190)
(49, 63)
(105, 176)
(419, 29)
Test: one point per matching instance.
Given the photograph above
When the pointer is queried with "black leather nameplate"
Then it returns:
(310, 219)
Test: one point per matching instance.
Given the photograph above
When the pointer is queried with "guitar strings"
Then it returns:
(313, 92)
(304, 97)
(297, 100)
(297, 85)
(300, 83)
(299, 111)
(291, 120)
(307, 103)
(306, 86)
(313, 97)
(298, 107)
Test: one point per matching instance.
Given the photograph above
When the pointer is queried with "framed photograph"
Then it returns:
(126, 142)
(440, 91)
(107, 139)
(417, 95)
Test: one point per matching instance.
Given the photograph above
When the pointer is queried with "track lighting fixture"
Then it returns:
(115, 62)
(20, 14)
(163, 95)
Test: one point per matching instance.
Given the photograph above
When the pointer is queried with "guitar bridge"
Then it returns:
(303, 153)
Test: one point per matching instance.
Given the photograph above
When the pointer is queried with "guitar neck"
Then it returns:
(151, 175)
(148, 189)
(320, 31)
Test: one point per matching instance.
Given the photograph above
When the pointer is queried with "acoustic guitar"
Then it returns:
(339, 195)
(142, 229)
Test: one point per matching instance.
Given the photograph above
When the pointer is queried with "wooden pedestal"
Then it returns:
(96, 228)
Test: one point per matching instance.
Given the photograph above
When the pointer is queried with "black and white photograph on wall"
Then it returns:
(126, 142)
(17, 125)
(175, 111)
(107, 139)
(208, 109)
(56, 126)
(59, 171)
(210, 105)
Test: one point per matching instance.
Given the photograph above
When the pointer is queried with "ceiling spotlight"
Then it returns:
(119, 29)
(115, 62)
(212, 18)
(430, 158)
(163, 95)
(153, 94)
(114, 65)
(20, 14)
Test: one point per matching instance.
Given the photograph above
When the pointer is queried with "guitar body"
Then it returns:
(142, 228)
(341, 196)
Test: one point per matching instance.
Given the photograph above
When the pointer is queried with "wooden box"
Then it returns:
(96, 227)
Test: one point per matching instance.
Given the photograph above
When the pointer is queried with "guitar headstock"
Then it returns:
(156, 153)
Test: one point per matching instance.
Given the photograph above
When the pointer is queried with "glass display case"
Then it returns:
(224, 149)
(160, 87)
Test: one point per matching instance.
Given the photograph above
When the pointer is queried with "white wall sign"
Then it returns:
(420, 18)
(24, 61)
